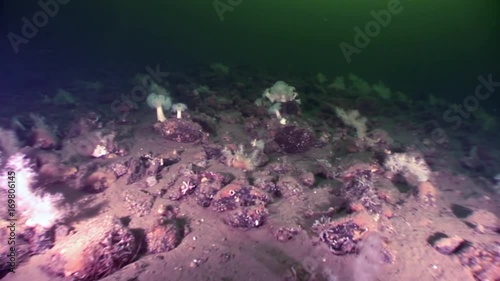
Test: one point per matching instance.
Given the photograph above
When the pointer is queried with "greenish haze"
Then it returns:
(440, 44)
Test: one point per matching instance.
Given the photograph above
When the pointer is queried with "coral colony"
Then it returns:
(35, 208)
(219, 160)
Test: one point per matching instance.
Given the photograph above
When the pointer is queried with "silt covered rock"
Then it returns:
(94, 251)
(293, 139)
(180, 130)
(163, 236)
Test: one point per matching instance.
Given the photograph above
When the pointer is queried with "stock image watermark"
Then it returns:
(363, 37)
(137, 95)
(223, 6)
(140, 92)
(31, 26)
(458, 112)
(11, 214)
(471, 103)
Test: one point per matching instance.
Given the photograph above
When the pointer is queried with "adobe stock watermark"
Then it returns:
(458, 112)
(140, 92)
(372, 29)
(223, 6)
(471, 103)
(137, 94)
(30, 27)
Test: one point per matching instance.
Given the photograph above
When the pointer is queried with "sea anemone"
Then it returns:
(159, 102)
(179, 108)
(275, 109)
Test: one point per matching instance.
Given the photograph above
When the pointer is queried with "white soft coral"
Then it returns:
(36, 208)
(408, 165)
(354, 119)
(281, 92)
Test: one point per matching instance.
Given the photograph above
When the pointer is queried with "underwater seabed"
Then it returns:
(215, 173)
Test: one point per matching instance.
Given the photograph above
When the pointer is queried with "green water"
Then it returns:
(428, 46)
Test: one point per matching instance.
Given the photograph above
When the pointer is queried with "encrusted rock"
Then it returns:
(235, 195)
(341, 236)
(56, 172)
(247, 217)
(359, 189)
(180, 130)
(483, 261)
(213, 151)
(96, 250)
(120, 169)
(293, 139)
(209, 183)
(163, 237)
(307, 179)
(138, 202)
(288, 186)
(43, 138)
(284, 234)
(448, 245)
(149, 165)
(99, 181)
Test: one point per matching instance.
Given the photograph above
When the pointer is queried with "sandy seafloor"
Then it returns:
(398, 244)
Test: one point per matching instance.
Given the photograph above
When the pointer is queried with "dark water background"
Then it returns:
(431, 46)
